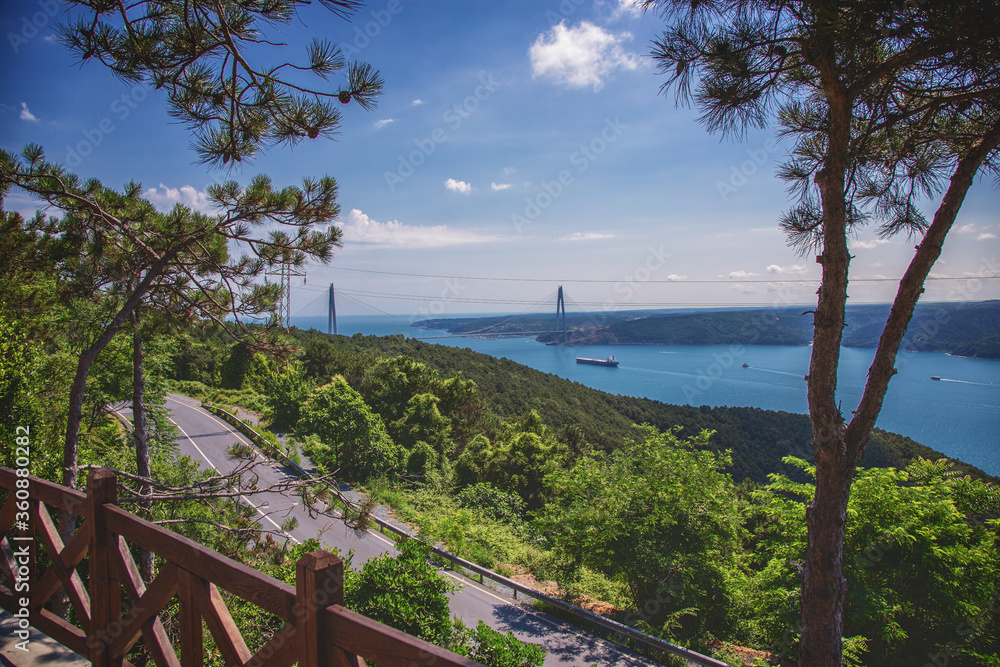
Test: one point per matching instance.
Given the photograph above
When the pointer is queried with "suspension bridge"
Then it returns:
(552, 319)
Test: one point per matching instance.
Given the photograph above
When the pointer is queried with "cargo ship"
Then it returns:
(610, 361)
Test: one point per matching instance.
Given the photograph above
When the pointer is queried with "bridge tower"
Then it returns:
(561, 310)
(331, 325)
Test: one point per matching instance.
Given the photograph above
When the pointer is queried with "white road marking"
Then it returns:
(243, 498)
(229, 427)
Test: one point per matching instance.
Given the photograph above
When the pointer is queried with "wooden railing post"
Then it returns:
(191, 635)
(319, 583)
(105, 591)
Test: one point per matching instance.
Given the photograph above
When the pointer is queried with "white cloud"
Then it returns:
(508, 170)
(416, 102)
(360, 229)
(740, 274)
(164, 198)
(965, 229)
(793, 270)
(27, 115)
(867, 245)
(497, 187)
(630, 8)
(985, 236)
(580, 57)
(379, 124)
(674, 276)
(586, 236)
(458, 186)
(742, 289)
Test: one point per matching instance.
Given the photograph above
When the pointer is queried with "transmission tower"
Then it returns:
(286, 272)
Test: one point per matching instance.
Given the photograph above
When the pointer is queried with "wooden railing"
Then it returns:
(317, 631)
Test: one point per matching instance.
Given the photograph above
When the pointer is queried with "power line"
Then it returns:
(623, 305)
(668, 281)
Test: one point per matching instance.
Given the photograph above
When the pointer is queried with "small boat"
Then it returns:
(746, 365)
(610, 361)
(935, 377)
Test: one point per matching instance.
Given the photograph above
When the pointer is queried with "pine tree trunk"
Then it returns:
(823, 587)
(140, 433)
(838, 450)
(71, 443)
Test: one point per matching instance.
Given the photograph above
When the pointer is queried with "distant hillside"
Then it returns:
(748, 327)
(966, 329)
(984, 348)
(758, 438)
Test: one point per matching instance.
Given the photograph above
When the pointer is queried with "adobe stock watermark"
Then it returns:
(121, 108)
(32, 23)
(667, 592)
(565, 9)
(725, 361)
(630, 284)
(451, 289)
(22, 557)
(581, 159)
(963, 292)
(966, 630)
(453, 118)
(372, 28)
(740, 175)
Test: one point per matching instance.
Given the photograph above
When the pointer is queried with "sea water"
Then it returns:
(958, 414)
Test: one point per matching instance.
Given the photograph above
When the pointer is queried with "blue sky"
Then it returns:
(516, 139)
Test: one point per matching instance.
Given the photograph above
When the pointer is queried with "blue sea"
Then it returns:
(958, 414)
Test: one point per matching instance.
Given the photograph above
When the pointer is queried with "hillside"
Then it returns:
(758, 438)
(966, 329)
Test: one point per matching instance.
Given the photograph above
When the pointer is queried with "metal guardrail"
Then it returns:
(601, 621)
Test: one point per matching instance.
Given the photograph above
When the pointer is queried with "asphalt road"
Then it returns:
(204, 437)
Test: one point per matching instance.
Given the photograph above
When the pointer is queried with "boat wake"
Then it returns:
(980, 384)
(768, 370)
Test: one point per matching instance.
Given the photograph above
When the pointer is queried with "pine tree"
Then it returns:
(888, 104)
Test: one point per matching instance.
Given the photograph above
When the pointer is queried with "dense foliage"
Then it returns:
(584, 418)
(353, 439)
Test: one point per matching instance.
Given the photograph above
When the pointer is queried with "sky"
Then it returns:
(519, 145)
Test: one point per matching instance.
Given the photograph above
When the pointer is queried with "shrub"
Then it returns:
(493, 503)
(355, 438)
(405, 592)
(496, 649)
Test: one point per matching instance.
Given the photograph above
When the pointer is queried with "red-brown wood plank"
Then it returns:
(340, 636)
(62, 572)
(242, 580)
(48, 492)
(7, 514)
(220, 622)
(387, 646)
(61, 630)
(280, 651)
(146, 604)
(192, 640)
(105, 594)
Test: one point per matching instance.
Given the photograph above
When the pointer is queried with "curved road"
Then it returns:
(204, 437)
